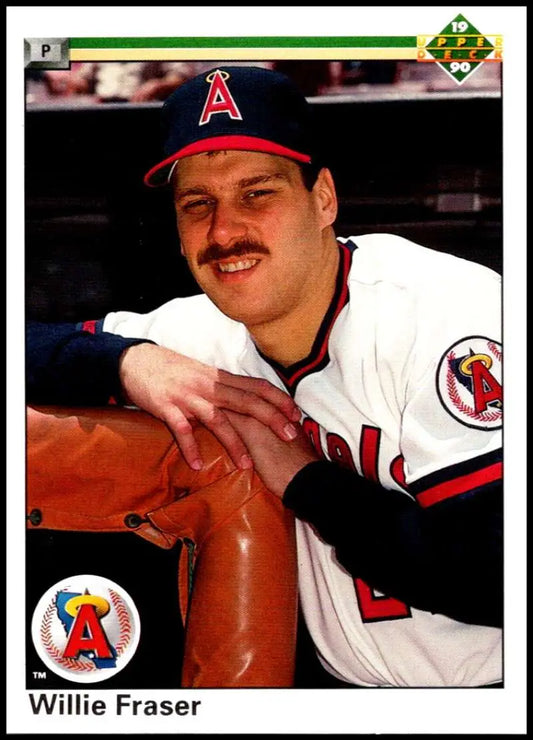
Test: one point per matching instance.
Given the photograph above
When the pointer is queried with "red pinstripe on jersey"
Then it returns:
(463, 484)
(458, 479)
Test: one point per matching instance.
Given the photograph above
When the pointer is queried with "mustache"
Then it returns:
(243, 247)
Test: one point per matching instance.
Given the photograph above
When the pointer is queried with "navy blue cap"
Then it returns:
(246, 108)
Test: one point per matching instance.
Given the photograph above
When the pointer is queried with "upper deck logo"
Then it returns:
(85, 628)
(459, 49)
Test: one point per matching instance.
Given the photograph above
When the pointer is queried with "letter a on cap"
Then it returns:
(219, 98)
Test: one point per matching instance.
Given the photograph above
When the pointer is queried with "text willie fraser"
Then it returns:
(120, 705)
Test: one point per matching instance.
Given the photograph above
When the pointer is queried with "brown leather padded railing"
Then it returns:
(115, 469)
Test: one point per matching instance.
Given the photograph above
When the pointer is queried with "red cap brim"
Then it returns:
(218, 143)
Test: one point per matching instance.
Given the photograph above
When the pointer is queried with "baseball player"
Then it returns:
(388, 353)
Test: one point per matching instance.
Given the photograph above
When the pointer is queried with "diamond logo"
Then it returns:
(459, 49)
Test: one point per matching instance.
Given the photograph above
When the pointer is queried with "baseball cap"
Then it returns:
(228, 107)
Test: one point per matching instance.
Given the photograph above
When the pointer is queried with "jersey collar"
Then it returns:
(318, 358)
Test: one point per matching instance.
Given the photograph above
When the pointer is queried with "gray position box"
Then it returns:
(46, 53)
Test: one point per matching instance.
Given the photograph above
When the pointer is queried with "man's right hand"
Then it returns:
(178, 389)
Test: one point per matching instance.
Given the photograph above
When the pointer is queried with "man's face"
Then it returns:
(252, 234)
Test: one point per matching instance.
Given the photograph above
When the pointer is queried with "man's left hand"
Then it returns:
(275, 461)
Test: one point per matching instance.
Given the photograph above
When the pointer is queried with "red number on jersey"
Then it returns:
(375, 607)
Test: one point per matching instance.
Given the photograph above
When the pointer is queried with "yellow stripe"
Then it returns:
(463, 35)
(262, 53)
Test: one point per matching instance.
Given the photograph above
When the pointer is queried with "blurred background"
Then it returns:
(412, 153)
(88, 83)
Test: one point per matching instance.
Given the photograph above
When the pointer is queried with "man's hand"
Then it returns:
(275, 462)
(178, 389)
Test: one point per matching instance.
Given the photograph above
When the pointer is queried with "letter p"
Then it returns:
(47, 53)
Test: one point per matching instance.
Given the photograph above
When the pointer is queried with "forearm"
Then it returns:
(445, 559)
(67, 366)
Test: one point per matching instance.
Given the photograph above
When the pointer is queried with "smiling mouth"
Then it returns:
(239, 266)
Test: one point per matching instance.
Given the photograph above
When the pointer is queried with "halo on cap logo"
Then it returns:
(217, 72)
(86, 628)
(469, 382)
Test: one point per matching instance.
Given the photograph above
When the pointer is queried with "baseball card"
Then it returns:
(259, 281)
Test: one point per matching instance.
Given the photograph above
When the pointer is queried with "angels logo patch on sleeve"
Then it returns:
(469, 382)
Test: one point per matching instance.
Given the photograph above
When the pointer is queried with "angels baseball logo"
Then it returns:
(469, 382)
(219, 98)
(86, 628)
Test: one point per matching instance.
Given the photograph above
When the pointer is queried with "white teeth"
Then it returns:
(236, 266)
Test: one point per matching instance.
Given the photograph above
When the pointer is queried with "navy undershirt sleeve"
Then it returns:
(447, 558)
(69, 366)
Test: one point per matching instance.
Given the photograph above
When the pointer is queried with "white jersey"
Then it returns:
(403, 385)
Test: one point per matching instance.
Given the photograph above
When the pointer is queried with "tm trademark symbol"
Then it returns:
(39, 674)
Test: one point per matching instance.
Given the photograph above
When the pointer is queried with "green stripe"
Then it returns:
(200, 42)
